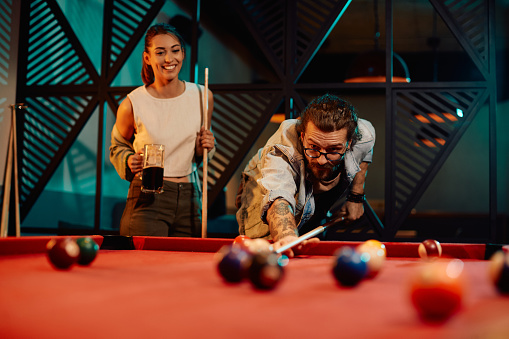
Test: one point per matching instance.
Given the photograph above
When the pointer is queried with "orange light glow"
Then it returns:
(430, 143)
(376, 79)
(436, 117)
(277, 118)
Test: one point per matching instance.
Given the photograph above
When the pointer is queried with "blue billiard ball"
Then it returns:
(233, 263)
(348, 267)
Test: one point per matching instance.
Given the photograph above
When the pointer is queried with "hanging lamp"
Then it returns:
(370, 66)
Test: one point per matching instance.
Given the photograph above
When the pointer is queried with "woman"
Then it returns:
(167, 111)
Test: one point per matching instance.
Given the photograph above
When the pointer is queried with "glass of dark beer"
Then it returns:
(153, 168)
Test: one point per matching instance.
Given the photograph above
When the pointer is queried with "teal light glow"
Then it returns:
(365, 257)
(283, 260)
(459, 112)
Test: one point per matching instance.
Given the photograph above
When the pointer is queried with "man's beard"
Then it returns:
(326, 172)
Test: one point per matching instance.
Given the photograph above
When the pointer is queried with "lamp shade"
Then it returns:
(370, 67)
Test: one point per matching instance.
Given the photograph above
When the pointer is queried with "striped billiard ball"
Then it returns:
(429, 249)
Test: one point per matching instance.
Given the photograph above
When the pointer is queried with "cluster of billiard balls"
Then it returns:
(63, 253)
(253, 260)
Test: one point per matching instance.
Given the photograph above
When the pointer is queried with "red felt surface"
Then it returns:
(178, 294)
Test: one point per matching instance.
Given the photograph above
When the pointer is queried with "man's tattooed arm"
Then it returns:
(281, 220)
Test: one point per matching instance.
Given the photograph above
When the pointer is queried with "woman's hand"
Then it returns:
(204, 140)
(135, 162)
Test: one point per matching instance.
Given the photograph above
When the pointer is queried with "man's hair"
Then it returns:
(147, 74)
(330, 113)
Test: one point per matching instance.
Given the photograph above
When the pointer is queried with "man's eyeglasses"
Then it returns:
(331, 156)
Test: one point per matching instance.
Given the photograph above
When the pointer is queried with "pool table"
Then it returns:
(149, 287)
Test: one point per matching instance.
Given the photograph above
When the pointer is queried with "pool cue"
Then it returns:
(308, 235)
(7, 190)
(12, 153)
(205, 157)
(15, 153)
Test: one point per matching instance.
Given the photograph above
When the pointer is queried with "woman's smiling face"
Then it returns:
(165, 55)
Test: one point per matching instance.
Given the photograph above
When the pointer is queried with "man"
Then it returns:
(311, 170)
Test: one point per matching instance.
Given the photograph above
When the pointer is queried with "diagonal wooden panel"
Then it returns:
(428, 124)
(127, 25)
(5, 39)
(304, 25)
(54, 54)
(468, 20)
(315, 20)
(266, 21)
(47, 128)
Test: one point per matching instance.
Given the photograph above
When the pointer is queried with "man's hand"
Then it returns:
(352, 210)
(301, 248)
(283, 229)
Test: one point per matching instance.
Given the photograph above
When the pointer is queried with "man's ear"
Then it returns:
(348, 146)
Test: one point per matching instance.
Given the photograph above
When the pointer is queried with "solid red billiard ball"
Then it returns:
(436, 290)
(499, 271)
(88, 250)
(241, 241)
(266, 270)
(430, 249)
(233, 263)
(348, 267)
(62, 253)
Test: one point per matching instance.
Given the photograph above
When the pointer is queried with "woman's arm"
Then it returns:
(122, 154)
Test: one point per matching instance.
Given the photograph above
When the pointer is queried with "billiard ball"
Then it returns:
(62, 253)
(258, 245)
(348, 267)
(377, 244)
(499, 271)
(88, 250)
(266, 270)
(436, 290)
(241, 241)
(373, 253)
(233, 263)
(430, 249)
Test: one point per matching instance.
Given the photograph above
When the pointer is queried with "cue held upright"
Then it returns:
(205, 156)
